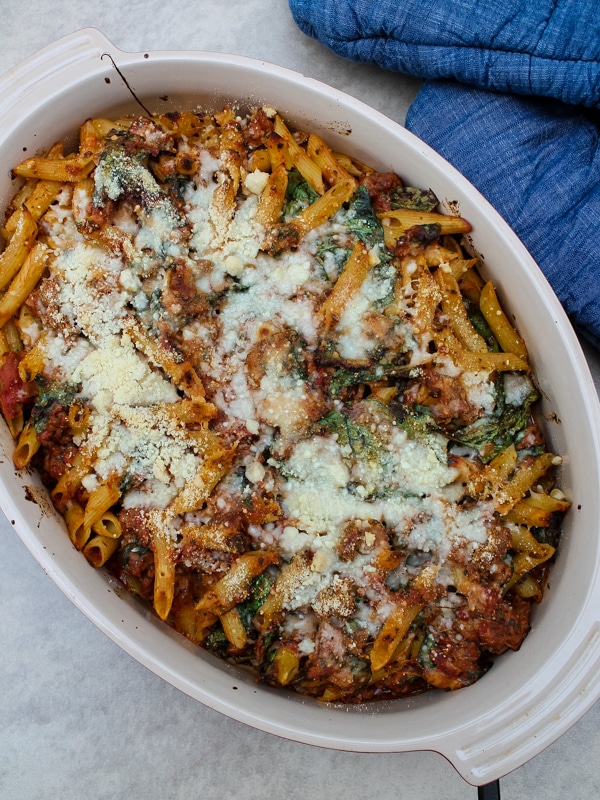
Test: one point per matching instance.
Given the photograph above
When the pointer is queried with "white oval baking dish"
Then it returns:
(529, 698)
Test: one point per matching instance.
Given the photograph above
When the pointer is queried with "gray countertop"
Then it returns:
(79, 718)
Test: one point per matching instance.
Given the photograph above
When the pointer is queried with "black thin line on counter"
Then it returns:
(491, 791)
(126, 82)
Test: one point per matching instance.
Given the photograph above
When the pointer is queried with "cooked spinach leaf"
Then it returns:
(331, 257)
(423, 233)
(414, 199)
(364, 223)
(49, 395)
(298, 195)
(479, 322)
(424, 655)
(418, 422)
(259, 591)
(216, 641)
(131, 548)
(350, 434)
(344, 377)
(491, 434)
(123, 174)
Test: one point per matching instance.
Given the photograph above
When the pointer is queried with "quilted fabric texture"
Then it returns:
(535, 159)
(543, 47)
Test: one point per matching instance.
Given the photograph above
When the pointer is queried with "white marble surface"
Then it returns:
(80, 718)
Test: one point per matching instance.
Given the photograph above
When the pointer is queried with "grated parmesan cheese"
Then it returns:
(239, 421)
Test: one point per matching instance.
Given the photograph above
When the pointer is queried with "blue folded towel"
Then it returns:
(535, 159)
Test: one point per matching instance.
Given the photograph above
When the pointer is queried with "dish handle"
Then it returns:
(44, 71)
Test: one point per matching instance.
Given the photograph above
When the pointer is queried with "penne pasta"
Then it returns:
(24, 282)
(289, 580)
(19, 247)
(99, 549)
(447, 343)
(179, 370)
(33, 362)
(508, 339)
(233, 628)
(286, 665)
(331, 169)
(69, 483)
(347, 285)
(529, 554)
(271, 201)
(12, 337)
(323, 208)
(212, 537)
(403, 218)
(234, 586)
(74, 514)
(107, 525)
(194, 495)
(427, 299)
(26, 447)
(164, 569)
(62, 170)
(300, 158)
(392, 633)
(453, 306)
(98, 504)
(276, 402)
(525, 476)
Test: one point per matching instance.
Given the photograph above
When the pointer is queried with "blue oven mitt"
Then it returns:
(542, 47)
(536, 160)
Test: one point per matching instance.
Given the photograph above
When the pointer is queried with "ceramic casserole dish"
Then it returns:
(529, 697)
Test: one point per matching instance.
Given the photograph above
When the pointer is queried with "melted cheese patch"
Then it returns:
(322, 484)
